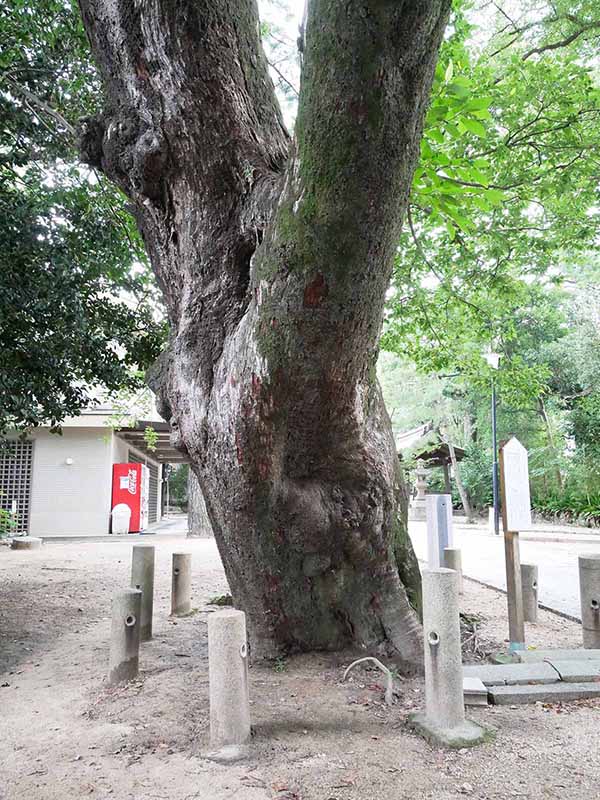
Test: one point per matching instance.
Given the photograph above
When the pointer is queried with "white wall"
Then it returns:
(71, 499)
(75, 499)
(120, 449)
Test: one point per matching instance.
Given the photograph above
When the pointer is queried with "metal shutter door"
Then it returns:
(153, 492)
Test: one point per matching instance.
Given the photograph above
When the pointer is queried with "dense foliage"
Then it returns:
(78, 311)
(557, 332)
(497, 252)
(506, 191)
(178, 485)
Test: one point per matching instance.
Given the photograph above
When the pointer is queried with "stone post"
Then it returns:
(453, 560)
(444, 719)
(181, 584)
(439, 528)
(142, 577)
(589, 589)
(123, 662)
(529, 584)
(228, 678)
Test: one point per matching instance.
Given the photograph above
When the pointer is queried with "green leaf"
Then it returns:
(473, 126)
(436, 134)
(479, 103)
(495, 196)
(458, 89)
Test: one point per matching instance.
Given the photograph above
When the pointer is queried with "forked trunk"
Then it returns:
(274, 257)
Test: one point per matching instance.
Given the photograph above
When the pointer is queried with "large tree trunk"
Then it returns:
(198, 520)
(274, 256)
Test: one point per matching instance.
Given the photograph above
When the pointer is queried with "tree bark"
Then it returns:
(447, 485)
(198, 520)
(464, 497)
(541, 406)
(274, 257)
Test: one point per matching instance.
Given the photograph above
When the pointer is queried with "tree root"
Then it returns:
(389, 691)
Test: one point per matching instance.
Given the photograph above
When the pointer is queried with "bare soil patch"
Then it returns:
(64, 734)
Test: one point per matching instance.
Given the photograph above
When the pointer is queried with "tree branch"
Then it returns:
(41, 105)
(562, 42)
(282, 77)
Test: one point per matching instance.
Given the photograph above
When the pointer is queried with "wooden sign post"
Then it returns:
(516, 516)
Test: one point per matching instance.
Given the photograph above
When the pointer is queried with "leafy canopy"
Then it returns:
(507, 189)
(78, 310)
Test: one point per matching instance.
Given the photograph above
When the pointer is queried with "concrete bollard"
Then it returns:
(589, 591)
(529, 584)
(444, 719)
(439, 528)
(443, 661)
(125, 636)
(228, 679)
(453, 560)
(181, 584)
(142, 577)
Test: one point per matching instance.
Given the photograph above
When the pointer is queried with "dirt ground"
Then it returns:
(64, 734)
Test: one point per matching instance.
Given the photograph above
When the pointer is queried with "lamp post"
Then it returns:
(493, 360)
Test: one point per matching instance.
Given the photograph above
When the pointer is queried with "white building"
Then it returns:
(61, 485)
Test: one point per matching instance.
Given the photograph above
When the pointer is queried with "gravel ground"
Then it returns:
(64, 734)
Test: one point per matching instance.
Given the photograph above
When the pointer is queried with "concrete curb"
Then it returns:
(566, 539)
(532, 536)
(556, 611)
(130, 537)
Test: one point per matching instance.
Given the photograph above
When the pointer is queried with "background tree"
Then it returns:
(77, 309)
(503, 214)
(198, 519)
(556, 337)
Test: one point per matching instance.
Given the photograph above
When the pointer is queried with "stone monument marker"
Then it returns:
(439, 528)
(516, 516)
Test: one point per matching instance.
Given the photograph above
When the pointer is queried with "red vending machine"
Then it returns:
(130, 486)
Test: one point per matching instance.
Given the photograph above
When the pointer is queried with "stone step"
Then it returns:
(534, 656)
(475, 692)
(512, 674)
(552, 693)
(577, 671)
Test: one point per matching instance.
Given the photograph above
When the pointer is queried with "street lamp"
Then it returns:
(493, 359)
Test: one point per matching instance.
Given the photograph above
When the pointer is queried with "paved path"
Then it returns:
(483, 559)
(174, 525)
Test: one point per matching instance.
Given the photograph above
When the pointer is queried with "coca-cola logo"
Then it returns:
(132, 486)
